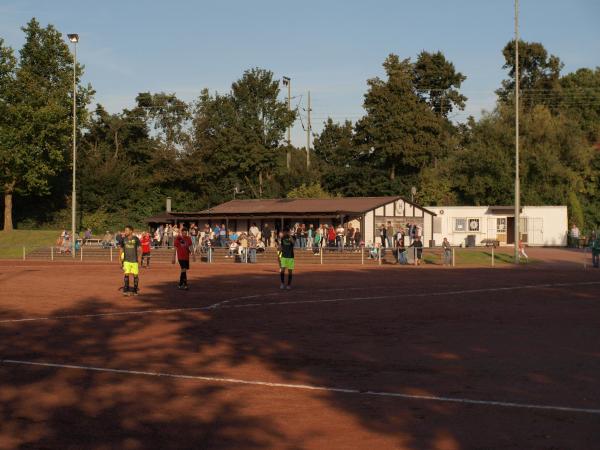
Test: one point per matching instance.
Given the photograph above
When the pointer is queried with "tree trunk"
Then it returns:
(260, 184)
(393, 171)
(8, 195)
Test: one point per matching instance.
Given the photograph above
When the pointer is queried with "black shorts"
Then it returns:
(147, 255)
(184, 263)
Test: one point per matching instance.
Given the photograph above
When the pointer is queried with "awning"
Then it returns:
(503, 210)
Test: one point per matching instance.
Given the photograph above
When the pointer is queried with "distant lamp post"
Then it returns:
(288, 82)
(74, 38)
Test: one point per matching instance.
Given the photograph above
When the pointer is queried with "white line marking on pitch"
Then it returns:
(433, 398)
(422, 294)
(225, 304)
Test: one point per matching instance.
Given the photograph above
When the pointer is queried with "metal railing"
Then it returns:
(410, 256)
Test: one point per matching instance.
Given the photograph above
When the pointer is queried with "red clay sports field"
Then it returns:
(352, 357)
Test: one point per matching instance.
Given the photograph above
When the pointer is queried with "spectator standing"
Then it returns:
(170, 235)
(331, 236)
(339, 237)
(252, 244)
(254, 231)
(194, 235)
(244, 247)
(411, 232)
(350, 237)
(522, 250)
(87, 235)
(383, 235)
(316, 243)
(107, 240)
(389, 233)
(298, 235)
(574, 236)
(223, 235)
(447, 248)
(357, 237)
(400, 251)
(418, 249)
(310, 236)
(146, 248)
(266, 234)
(595, 246)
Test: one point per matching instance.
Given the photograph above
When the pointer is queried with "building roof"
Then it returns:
(285, 207)
(346, 205)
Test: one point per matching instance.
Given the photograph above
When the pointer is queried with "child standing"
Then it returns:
(130, 259)
(183, 249)
(146, 244)
(286, 259)
(522, 250)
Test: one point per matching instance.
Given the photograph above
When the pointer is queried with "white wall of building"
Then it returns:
(540, 225)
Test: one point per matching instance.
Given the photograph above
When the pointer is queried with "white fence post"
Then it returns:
(492, 256)
(321, 255)
(111, 254)
(453, 257)
(23, 253)
(52, 253)
(362, 256)
(81, 253)
(379, 255)
(415, 256)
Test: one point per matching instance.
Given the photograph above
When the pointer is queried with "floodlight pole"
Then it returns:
(74, 38)
(517, 185)
(289, 131)
(308, 131)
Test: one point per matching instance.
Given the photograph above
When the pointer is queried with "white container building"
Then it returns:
(480, 225)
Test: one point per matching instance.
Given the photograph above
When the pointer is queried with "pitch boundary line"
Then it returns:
(225, 304)
(308, 387)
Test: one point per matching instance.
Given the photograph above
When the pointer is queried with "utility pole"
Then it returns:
(308, 131)
(517, 184)
(74, 38)
(288, 82)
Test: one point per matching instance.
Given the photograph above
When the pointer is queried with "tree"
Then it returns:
(36, 124)
(335, 145)
(437, 83)
(8, 137)
(579, 97)
(400, 132)
(239, 136)
(538, 73)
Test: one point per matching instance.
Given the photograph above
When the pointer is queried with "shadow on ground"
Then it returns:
(536, 346)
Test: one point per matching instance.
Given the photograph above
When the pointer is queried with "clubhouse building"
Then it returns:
(462, 225)
(366, 213)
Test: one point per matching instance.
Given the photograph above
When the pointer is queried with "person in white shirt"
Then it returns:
(575, 236)
(339, 237)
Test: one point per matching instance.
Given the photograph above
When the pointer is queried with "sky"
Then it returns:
(328, 47)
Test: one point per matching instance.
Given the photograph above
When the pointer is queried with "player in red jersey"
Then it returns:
(146, 244)
(183, 249)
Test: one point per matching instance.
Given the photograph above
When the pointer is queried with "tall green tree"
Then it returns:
(36, 124)
(400, 130)
(539, 74)
(239, 136)
(437, 83)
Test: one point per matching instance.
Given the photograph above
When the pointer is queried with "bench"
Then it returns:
(491, 242)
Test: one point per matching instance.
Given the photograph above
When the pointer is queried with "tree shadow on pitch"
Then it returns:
(492, 346)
